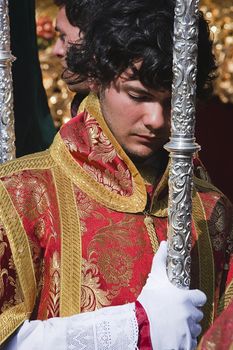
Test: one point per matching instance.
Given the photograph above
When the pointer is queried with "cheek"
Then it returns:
(124, 111)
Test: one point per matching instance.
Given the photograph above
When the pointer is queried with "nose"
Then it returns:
(59, 48)
(154, 116)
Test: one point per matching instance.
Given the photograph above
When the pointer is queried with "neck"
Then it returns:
(152, 168)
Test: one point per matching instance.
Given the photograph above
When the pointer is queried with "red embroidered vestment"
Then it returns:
(75, 234)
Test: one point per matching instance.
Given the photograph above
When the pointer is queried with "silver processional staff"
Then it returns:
(7, 133)
(182, 146)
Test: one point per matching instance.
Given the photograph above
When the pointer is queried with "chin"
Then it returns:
(137, 156)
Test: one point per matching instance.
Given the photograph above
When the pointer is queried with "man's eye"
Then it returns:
(138, 98)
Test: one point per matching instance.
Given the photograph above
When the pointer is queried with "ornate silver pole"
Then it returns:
(182, 144)
(7, 134)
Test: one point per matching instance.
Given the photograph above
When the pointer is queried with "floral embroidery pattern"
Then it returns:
(94, 151)
(103, 151)
(8, 278)
(115, 182)
(112, 250)
(54, 292)
(35, 200)
(92, 296)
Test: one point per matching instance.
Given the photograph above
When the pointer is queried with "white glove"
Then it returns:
(173, 313)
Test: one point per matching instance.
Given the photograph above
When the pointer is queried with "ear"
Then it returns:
(94, 86)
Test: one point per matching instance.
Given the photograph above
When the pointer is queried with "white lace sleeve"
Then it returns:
(112, 328)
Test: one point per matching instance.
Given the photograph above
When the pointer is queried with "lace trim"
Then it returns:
(112, 328)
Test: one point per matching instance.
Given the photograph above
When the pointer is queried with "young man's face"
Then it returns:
(67, 34)
(138, 117)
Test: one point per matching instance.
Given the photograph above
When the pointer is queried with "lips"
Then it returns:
(148, 138)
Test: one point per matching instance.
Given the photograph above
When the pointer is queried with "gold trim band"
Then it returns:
(206, 265)
(71, 246)
(40, 160)
(10, 320)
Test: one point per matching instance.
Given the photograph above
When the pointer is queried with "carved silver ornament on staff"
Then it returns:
(7, 133)
(182, 144)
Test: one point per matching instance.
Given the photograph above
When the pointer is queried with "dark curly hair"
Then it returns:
(122, 32)
(78, 12)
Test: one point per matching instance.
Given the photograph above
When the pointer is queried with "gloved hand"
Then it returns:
(173, 313)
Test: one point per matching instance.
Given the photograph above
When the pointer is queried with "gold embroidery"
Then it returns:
(7, 304)
(34, 200)
(54, 293)
(206, 260)
(40, 160)
(18, 292)
(149, 223)
(72, 146)
(3, 272)
(19, 247)
(71, 245)
(92, 296)
(115, 266)
(40, 228)
(115, 182)
(11, 319)
(86, 207)
(104, 151)
(134, 203)
(17, 298)
(22, 257)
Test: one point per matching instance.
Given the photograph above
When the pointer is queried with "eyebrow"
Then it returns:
(145, 92)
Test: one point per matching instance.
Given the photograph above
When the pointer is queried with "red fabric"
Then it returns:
(144, 340)
(91, 148)
(220, 335)
(116, 251)
(34, 196)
